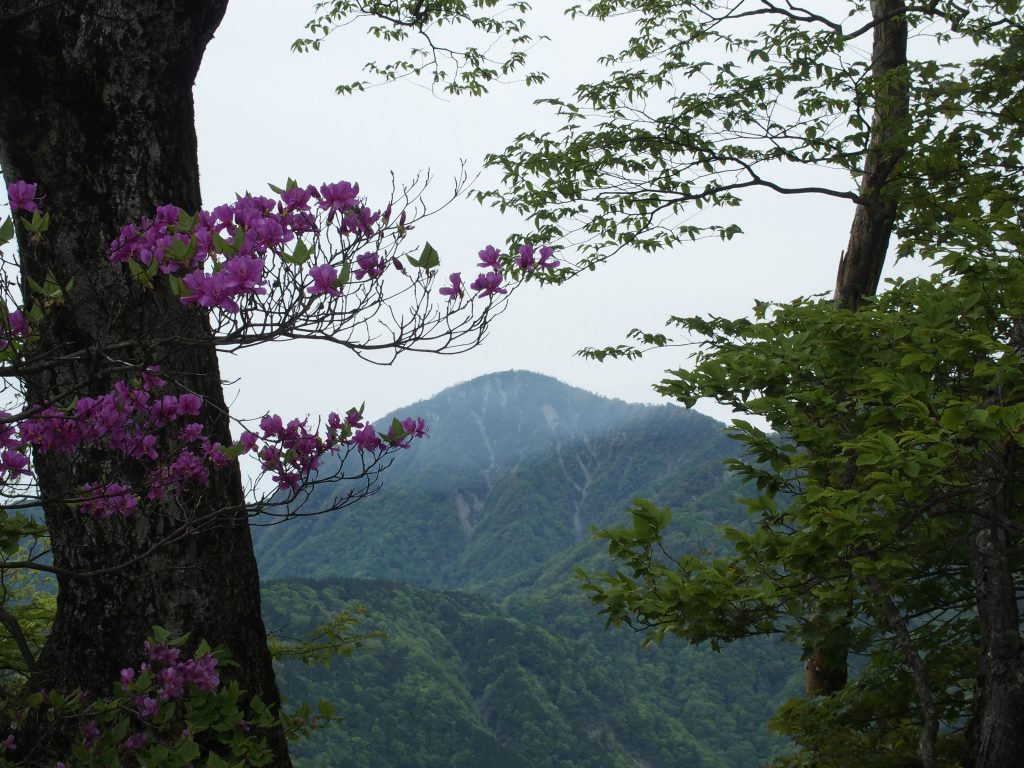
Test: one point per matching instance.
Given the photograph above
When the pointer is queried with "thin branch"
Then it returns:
(12, 625)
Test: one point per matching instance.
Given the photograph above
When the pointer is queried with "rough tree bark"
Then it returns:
(96, 106)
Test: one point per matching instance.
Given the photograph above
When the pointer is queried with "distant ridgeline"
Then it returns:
(500, 502)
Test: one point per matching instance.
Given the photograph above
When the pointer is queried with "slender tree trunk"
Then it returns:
(929, 715)
(860, 268)
(96, 106)
(995, 733)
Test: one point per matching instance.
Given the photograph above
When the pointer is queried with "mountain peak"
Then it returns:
(513, 386)
(503, 417)
(517, 468)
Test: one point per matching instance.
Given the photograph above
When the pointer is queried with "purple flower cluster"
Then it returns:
(526, 261)
(159, 694)
(135, 741)
(107, 500)
(142, 423)
(343, 199)
(324, 277)
(153, 240)
(16, 328)
(248, 232)
(410, 428)
(222, 255)
(137, 421)
(291, 452)
(163, 677)
(185, 248)
(400, 435)
(201, 672)
(370, 265)
(365, 438)
(172, 674)
(489, 258)
(238, 276)
(454, 289)
(489, 283)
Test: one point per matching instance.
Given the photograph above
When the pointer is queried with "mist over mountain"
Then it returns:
(500, 502)
(517, 469)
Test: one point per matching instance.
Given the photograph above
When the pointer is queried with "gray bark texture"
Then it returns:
(96, 107)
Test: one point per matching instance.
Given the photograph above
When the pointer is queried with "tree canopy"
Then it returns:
(891, 450)
(707, 99)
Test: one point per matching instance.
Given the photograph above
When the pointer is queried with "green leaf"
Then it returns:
(186, 222)
(397, 431)
(6, 230)
(37, 224)
(953, 418)
(888, 443)
(222, 246)
(299, 254)
(177, 286)
(36, 287)
(429, 258)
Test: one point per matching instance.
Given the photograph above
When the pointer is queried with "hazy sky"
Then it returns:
(265, 113)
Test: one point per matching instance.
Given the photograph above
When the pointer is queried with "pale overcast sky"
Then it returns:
(265, 113)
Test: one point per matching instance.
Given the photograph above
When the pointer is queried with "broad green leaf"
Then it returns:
(429, 258)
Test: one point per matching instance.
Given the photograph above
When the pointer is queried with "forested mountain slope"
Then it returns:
(460, 682)
(500, 502)
(516, 470)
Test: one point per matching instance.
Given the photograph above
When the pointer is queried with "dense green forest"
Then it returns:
(459, 681)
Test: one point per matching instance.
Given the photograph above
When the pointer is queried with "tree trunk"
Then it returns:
(860, 268)
(995, 733)
(96, 106)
